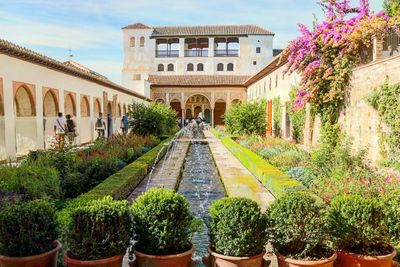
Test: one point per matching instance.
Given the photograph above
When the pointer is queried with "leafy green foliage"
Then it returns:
(27, 229)
(392, 212)
(246, 118)
(357, 224)
(156, 119)
(99, 229)
(277, 116)
(297, 117)
(237, 227)
(297, 226)
(288, 159)
(392, 7)
(386, 101)
(163, 224)
(30, 181)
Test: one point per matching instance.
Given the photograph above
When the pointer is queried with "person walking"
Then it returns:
(70, 130)
(100, 126)
(124, 125)
(59, 130)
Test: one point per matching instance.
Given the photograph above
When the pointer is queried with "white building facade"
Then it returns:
(230, 50)
(34, 88)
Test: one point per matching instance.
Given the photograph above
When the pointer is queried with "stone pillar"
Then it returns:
(183, 117)
(210, 66)
(40, 135)
(212, 117)
(9, 119)
(92, 118)
(307, 127)
(377, 48)
(78, 129)
(181, 47)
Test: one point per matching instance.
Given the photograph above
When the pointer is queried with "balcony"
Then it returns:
(167, 53)
(196, 53)
(226, 53)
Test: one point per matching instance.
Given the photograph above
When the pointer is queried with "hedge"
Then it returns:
(122, 183)
(275, 180)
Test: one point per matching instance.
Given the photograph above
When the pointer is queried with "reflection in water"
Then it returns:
(201, 186)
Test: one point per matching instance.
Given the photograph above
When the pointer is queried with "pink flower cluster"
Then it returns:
(317, 53)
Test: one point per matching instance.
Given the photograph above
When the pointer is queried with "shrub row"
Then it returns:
(275, 180)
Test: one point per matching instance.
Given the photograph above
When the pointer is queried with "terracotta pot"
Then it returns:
(115, 261)
(219, 260)
(288, 262)
(346, 259)
(47, 259)
(176, 260)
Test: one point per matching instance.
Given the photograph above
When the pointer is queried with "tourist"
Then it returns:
(109, 125)
(59, 130)
(124, 125)
(70, 130)
(100, 126)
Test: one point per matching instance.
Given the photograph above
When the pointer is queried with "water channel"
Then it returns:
(201, 185)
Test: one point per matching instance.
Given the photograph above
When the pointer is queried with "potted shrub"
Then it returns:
(163, 227)
(28, 235)
(359, 231)
(297, 229)
(237, 232)
(98, 233)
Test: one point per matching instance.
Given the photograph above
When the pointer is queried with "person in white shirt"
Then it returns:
(100, 126)
(60, 130)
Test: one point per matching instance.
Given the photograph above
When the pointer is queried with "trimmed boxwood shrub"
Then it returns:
(297, 226)
(357, 224)
(392, 212)
(163, 224)
(27, 229)
(237, 227)
(99, 229)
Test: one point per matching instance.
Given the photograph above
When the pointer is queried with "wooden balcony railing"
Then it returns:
(226, 53)
(167, 53)
(196, 53)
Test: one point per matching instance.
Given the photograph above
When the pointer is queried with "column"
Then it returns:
(212, 117)
(377, 48)
(183, 117)
(9, 119)
(92, 117)
(78, 119)
(211, 47)
(40, 136)
(307, 127)
(181, 47)
(61, 100)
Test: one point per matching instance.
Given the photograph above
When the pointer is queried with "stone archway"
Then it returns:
(50, 104)
(85, 107)
(124, 110)
(25, 120)
(219, 112)
(176, 105)
(97, 108)
(160, 101)
(197, 110)
(195, 104)
(69, 105)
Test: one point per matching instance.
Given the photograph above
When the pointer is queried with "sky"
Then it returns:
(91, 29)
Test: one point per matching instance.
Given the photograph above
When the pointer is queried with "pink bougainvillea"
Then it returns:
(326, 55)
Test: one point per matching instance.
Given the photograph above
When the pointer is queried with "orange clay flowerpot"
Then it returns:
(176, 260)
(115, 261)
(47, 259)
(219, 260)
(346, 259)
(288, 262)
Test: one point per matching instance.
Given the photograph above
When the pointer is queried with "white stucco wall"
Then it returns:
(18, 135)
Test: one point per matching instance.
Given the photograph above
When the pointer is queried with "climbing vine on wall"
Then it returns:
(297, 117)
(277, 116)
(326, 55)
(386, 100)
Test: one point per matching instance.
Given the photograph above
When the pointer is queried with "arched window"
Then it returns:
(229, 67)
(132, 42)
(142, 41)
(85, 110)
(200, 67)
(170, 67)
(220, 67)
(190, 67)
(160, 67)
(69, 105)
(97, 108)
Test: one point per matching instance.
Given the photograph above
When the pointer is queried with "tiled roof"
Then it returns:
(137, 26)
(22, 53)
(203, 30)
(274, 64)
(197, 80)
